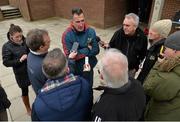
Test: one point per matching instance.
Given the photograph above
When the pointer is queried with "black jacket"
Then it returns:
(4, 102)
(151, 57)
(120, 104)
(133, 47)
(11, 54)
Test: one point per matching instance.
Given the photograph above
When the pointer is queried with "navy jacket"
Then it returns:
(64, 99)
(34, 67)
(88, 36)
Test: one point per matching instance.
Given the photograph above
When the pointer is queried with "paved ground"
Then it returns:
(55, 27)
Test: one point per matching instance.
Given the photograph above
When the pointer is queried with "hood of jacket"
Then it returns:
(67, 98)
(168, 64)
(8, 37)
(61, 97)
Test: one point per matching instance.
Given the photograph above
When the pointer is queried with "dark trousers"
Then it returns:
(3, 116)
(90, 77)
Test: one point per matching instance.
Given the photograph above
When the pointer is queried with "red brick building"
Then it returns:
(100, 13)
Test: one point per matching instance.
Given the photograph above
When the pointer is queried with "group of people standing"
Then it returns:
(63, 81)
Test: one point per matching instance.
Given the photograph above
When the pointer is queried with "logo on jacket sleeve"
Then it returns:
(97, 119)
(152, 57)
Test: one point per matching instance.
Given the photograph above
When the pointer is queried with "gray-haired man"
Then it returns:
(131, 41)
(123, 98)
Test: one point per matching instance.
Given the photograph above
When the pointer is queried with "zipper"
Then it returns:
(127, 48)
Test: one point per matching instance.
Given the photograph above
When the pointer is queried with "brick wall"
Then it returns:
(93, 9)
(4, 2)
(114, 12)
(14, 3)
(24, 8)
(35, 9)
(100, 13)
(170, 8)
(41, 9)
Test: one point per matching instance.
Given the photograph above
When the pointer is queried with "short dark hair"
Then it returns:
(35, 39)
(14, 29)
(54, 64)
(77, 11)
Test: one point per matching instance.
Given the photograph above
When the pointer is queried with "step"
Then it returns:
(9, 11)
(10, 17)
(11, 14)
(7, 7)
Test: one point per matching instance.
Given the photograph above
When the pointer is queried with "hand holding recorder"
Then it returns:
(87, 67)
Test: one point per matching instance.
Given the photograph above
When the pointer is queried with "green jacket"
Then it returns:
(163, 86)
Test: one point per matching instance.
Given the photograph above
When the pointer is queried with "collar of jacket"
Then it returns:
(23, 42)
(38, 54)
(56, 82)
(78, 32)
(61, 78)
(120, 90)
(168, 64)
(157, 44)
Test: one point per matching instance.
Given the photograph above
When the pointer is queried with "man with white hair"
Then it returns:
(123, 98)
(131, 41)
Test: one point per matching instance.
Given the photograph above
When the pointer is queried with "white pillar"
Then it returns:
(157, 11)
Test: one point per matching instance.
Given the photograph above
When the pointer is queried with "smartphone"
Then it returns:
(86, 60)
(75, 47)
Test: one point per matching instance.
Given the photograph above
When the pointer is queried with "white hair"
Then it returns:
(114, 68)
(134, 17)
